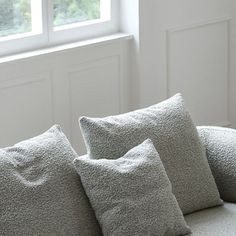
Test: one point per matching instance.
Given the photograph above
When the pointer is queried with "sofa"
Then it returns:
(147, 172)
(220, 144)
(214, 221)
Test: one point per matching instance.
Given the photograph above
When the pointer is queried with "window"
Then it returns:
(19, 17)
(31, 24)
(71, 12)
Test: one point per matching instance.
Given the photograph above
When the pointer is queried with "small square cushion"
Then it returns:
(170, 127)
(132, 194)
(40, 190)
(221, 153)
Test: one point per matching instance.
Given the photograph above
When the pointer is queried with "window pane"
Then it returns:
(15, 17)
(74, 11)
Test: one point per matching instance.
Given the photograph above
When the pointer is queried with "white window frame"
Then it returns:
(50, 36)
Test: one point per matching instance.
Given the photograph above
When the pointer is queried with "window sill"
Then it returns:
(64, 47)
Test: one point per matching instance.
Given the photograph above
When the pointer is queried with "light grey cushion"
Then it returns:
(216, 221)
(40, 190)
(169, 126)
(132, 194)
(221, 153)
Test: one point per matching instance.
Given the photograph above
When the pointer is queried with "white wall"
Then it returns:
(179, 46)
(188, 46)
(129, 22)
(59, 87)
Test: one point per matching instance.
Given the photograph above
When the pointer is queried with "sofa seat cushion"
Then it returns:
(215, 221)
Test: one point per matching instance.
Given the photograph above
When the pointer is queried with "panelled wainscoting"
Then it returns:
(198, 66)
(40, 89)
(191, 49)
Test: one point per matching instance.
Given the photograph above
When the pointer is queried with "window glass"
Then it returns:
(34, 24)
(74, 11)
(15, 17)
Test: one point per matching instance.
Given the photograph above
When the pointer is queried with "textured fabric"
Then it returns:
(132, 194)
(216, 221)
(175, 137)
(221, 153)
(40, 190)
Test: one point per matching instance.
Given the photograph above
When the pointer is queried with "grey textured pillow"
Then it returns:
(132, 194)
(170, 127)
(221, 153)
(40, 190)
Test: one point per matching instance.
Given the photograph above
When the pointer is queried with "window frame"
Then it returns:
(72, 33)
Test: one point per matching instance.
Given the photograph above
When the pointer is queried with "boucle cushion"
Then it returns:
(40, 190)
(170, 127)
(132, 194)
(221, 153)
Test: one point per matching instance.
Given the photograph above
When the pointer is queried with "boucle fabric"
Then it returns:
(170, 127)
(40, 190)
(221, 153)
(216, 221)
(132, 194)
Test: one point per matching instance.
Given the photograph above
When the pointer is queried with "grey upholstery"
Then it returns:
(40, 190)
(132, 194)
(217, 221)
(220, 146)
(171, 129)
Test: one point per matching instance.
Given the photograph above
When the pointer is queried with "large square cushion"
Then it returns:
(40, 191)
(175, 137)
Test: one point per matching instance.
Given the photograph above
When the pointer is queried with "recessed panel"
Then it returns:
(198, 68)
(94, 92)
(26, 108)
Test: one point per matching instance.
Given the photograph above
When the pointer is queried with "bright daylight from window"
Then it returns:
(15, 17)
(74, 11)
(25, 16)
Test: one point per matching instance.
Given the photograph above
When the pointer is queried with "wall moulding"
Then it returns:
(59, 86)
(198, 62)
(94, 90)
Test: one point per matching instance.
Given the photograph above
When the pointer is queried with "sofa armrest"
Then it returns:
(220, 144)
